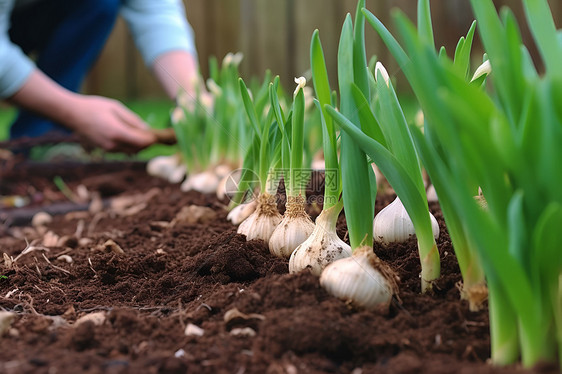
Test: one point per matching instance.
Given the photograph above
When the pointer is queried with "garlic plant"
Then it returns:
(211, 136)
(296, 225)
(386, 138)
(263, 160)
(393, 224)
(361, 279)
(323, 246)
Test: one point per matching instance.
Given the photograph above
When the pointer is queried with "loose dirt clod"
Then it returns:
(110, 246)
(65, 258)
(194, 214)
(97, 318)
(50, 239)
(234, 317)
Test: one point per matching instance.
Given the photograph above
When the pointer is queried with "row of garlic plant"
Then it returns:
(279, 141)
(505, 140)
(209, 134)
(369, 105)
(471, 139)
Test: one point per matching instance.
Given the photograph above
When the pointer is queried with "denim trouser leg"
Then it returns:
(67, 37)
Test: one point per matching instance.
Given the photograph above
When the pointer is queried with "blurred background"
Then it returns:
(276, 35)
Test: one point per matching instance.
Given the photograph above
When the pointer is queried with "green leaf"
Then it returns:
(323, 93)
(297, 145)
(391, 43)
(249, 107)
(369, 123)
(395, 129)
(462, 53)
(360, 71)
(398, 177)
(541, 23)
(353, 162)
(425, 28)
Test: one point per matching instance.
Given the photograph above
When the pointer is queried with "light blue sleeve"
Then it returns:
(158, 27)
(15, 66)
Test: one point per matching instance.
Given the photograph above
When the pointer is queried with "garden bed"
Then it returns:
(171, 276)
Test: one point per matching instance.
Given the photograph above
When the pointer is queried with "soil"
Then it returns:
(157, 280)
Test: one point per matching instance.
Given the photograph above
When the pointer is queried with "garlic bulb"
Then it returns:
(379, 176)
(431, 194)
(240, 212)
(294, 229)
(205, 182)
(322, 247)
(362, 279)
(228, 185)
(222, 170)
(169, 168)
(263, 221)
(318, 164)
(393, 224)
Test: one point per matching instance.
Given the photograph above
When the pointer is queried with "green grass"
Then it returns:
(156, 113)
(6, 116)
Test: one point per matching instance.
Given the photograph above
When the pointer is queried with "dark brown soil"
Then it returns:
(194, 273)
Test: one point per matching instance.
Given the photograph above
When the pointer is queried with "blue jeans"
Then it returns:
(66, 37)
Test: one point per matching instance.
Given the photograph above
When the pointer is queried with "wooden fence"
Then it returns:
(275, 35)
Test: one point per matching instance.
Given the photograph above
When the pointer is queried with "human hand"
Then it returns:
(109, 124)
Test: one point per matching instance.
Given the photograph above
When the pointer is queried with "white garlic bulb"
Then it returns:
(322, 247)
(222, 170)
(294, 229)
(166, 167)
(431, 194)
(240, 212)
(362, 279)
(204, 182)
(318, 164)
(263, 221)
(393, 224)
(228, 185)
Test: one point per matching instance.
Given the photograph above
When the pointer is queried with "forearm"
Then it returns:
(105, 122)
(178, 70)
(41, 95)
